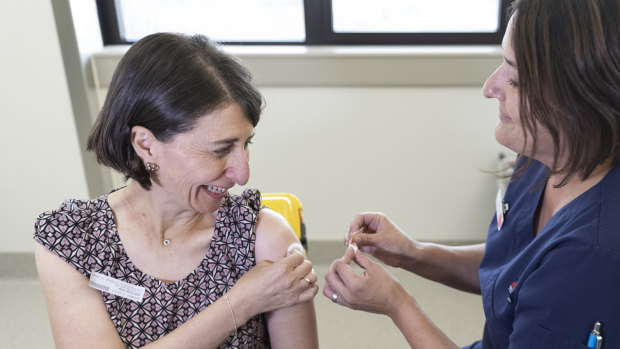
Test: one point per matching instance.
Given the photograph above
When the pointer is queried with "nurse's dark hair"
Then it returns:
(165, 83)
(568, 62)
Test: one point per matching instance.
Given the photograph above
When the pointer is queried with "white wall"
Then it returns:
(415, 153)
(40, 154)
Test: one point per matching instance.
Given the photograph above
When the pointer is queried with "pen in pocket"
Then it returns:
(595, 340)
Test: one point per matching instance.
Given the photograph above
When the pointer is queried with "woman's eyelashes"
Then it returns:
(513, 83)
(223, 151)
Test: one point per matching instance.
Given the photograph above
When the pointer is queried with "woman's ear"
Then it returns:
(142, 140)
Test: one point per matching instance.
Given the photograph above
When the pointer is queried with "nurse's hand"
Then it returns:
(376, 234)
(375, 290)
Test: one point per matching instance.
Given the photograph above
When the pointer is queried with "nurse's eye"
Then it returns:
(513, 83)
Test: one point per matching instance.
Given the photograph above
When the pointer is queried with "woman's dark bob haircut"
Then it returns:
(165, 83)
(568, 62)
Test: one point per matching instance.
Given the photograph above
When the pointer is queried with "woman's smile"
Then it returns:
(215, 192)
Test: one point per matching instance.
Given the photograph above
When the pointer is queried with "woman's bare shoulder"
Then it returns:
(273, 236)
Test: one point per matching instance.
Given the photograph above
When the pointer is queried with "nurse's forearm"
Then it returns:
(418, 329)
(454, 266)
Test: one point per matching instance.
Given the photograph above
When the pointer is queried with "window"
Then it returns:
(245, 22)
(406, 16)
(309, 22)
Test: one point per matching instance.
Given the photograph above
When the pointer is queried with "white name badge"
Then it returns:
(116, 287)
(499, 209)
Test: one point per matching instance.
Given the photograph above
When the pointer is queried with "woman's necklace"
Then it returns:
(164, 241)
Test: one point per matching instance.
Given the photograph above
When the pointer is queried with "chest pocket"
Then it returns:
(504, 298)
(545, 338)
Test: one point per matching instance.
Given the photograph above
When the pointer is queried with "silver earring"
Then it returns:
(151, 167)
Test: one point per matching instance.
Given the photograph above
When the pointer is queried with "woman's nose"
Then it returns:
(238, 167)
(491, 88)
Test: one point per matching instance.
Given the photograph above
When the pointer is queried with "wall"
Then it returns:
(41, 162)
(414, 151)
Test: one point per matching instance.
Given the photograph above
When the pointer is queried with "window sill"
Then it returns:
(347, 65)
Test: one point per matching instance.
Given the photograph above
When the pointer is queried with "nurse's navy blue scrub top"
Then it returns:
(548, 291)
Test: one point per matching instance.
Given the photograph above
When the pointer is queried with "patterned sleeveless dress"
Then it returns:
(83, 233)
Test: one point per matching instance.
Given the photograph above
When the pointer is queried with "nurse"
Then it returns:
(550, 267)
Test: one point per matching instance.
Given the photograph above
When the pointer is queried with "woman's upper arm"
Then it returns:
(287, 325)
(273, 236)
(77, 314)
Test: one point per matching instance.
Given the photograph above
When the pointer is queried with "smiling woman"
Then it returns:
(173, 259)
(204, 162)
(557, 90)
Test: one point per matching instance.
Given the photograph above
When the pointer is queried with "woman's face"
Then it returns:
(198, 167)
(503, 85)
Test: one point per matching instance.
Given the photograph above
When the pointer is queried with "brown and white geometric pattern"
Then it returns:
(84, 234)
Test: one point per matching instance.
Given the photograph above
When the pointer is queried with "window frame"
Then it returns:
(318, 22)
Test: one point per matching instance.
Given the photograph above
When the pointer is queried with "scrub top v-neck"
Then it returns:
(547, 290)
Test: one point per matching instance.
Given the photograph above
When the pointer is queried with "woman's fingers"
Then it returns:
(336, 287)
(311, 278)
(341, 277)
(367, 291)
(363, 239)
(363, 261)
(293, 259)
(365, 227)
(360, 224)
(349, 253)
(330, 293)
(309, 293)
(288, 281)
(297, 262)
(303, 273)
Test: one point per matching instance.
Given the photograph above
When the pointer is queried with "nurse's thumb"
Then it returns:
(363, 239)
